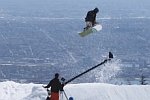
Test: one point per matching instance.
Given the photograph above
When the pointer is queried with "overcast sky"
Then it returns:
(105, 6)
(38, 3)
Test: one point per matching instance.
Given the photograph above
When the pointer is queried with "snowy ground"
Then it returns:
(85, 91)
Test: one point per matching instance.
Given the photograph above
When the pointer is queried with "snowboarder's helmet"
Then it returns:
(96, 10)
(71, 98)
(56, 75)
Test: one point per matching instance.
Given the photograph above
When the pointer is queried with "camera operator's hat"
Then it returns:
(56, 75)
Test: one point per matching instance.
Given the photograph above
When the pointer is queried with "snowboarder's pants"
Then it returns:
(88, 24)
(54, 96)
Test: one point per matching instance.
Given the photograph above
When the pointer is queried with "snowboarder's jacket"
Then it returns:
(55, 85)
(91, 16)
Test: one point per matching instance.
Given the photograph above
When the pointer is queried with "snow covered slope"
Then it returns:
(85, 91)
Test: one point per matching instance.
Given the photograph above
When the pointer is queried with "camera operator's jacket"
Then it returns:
(55, 85)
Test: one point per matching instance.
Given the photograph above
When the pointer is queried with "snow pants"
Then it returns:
(88, 24)
(54, 96)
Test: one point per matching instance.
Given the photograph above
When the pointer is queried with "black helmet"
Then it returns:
(96, 10)
(71, 98)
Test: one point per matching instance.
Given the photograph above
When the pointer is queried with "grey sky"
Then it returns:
(141, 7)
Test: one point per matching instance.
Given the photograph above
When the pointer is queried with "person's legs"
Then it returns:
(88, 25)
(54, 96)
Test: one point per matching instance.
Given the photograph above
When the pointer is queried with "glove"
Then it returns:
(44, 86)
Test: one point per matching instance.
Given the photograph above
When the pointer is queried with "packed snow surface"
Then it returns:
(85, 91)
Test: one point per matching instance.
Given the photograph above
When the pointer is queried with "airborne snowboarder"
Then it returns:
(91, 25)
(90, 18)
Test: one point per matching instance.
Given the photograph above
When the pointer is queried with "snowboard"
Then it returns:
(94, 29)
